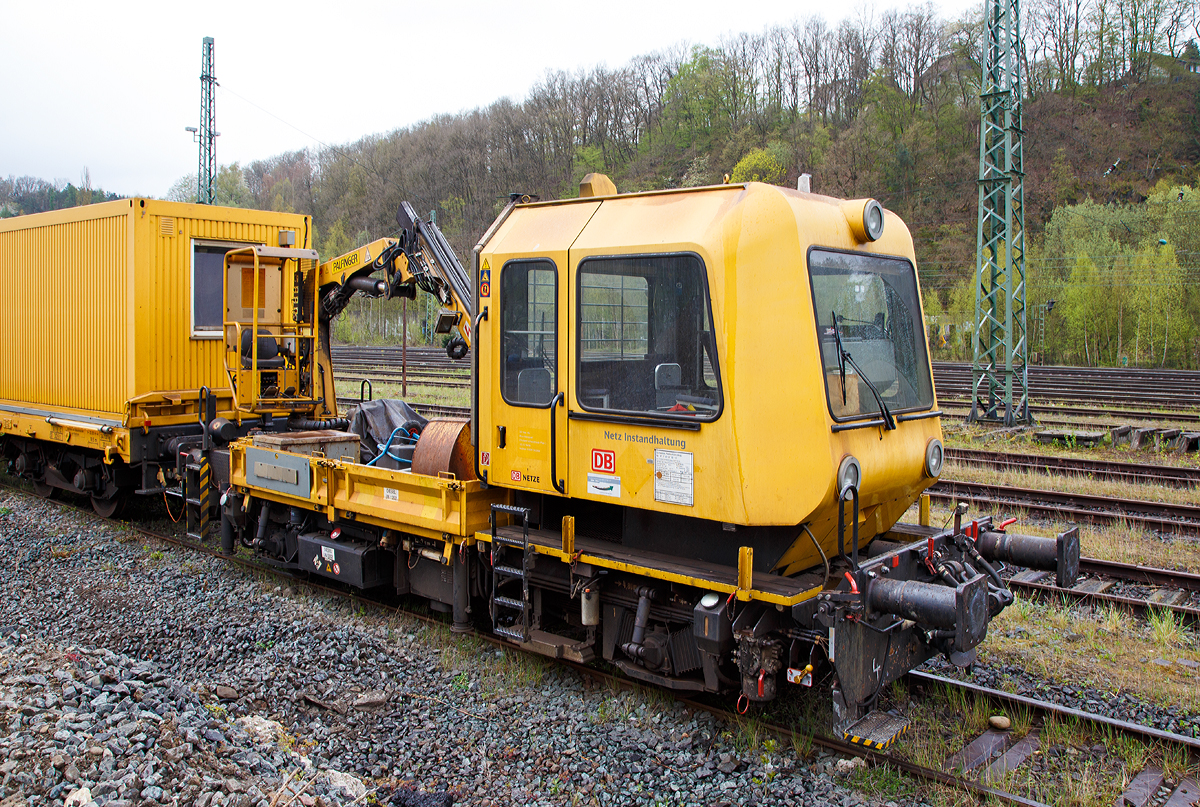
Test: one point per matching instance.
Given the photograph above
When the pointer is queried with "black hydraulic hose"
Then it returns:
(305, 424)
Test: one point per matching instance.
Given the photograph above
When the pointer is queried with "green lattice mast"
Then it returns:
(999, 371)
(207, 170)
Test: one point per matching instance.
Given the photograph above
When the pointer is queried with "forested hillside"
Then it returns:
(885, 107)
(24, 195)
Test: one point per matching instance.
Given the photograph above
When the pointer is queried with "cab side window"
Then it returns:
(528, 332)
(645, 337)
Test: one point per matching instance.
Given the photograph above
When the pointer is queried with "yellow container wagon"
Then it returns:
(112, 320)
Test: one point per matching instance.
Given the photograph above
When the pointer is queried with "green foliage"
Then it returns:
(230, 188)
(335, 242)
(758, 165)
(20, 196)
(1122, 295)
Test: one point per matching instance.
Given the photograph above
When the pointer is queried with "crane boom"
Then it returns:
(420, 258)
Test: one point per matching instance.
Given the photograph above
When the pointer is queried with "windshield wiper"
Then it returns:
(845, 358)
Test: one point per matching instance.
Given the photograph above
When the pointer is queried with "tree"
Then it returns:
(759, 165)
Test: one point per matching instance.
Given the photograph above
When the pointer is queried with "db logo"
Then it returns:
(604, 461)
(515, 476)
(485, 458)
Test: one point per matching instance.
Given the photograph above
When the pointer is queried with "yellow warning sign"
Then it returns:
(486, 266)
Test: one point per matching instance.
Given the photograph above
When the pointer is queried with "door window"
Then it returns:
(528, 332)
(645, 337)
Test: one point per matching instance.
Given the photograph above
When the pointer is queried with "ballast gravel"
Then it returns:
(135, 673)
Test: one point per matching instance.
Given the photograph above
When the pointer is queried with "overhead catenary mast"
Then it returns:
(1000, 375)
(207, 135)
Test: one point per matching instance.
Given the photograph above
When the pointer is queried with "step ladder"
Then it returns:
(506, 572)
(197, 497)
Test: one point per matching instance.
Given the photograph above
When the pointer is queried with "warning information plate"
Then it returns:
(673, 477)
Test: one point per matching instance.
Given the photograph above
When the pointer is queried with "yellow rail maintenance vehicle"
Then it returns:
(697, 418)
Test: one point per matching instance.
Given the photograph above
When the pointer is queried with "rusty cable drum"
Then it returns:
(445, 446)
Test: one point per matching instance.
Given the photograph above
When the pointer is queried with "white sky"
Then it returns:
(111, 86)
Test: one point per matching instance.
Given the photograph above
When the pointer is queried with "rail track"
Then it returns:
(1140, 590)
(1170, 519)
(977, 768)
(1165, 388)
(1051, 415)
(1133, 472)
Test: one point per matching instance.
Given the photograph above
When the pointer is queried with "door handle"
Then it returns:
(554, 480)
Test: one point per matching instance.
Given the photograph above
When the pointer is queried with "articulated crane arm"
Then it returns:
(420, 258)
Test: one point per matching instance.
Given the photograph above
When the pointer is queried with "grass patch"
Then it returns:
(417, 393)
(1167, 629)
(884, 782)
(1104, 649)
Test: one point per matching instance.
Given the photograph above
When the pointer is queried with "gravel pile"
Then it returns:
(134, 673)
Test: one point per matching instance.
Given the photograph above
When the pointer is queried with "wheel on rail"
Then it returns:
(45, 489)
(110, 507)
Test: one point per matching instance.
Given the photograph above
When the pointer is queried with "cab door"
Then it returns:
(523, 347)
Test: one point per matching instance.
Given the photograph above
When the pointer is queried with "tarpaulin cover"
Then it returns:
(374, 421)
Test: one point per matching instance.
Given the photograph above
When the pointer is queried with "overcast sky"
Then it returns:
(111, 86)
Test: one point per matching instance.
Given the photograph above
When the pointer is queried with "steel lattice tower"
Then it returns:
(208, 133)
(1000, 374)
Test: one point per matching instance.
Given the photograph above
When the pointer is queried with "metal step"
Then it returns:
(515, 633)
(503, 540)
(508, 571)
(509, 602)
(511, 509)
(877, 730)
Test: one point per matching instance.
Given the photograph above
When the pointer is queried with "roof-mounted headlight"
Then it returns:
(865, 217)
(935, 458)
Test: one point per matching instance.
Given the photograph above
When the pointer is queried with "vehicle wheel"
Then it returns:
(110, 507)
(45, 490)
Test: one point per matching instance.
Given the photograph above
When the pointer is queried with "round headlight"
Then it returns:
(873, 220)
(935, 458)
(849, 474)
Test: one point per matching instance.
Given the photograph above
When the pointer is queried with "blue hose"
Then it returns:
(387, 447)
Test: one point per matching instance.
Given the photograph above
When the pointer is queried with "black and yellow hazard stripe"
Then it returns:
(878, 745)
(205, 494)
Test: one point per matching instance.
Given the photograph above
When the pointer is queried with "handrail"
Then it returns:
(554, 480)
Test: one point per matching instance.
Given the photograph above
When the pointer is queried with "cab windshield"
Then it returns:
(867, 307)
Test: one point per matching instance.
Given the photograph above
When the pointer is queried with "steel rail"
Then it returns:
(1049, 707)
(1170, 518)
(1188, 615)
(1180, 417)
(1149, 575)
(1172, 475)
